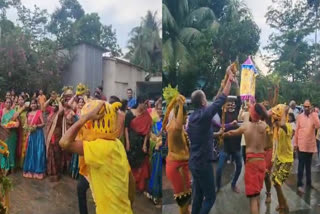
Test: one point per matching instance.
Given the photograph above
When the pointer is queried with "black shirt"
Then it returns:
(200, 132)
(232, 144)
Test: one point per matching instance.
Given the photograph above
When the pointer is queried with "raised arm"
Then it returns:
(46, 104)
(68, 141)
(71, 102)
(238, 104)
(61, 109)
(179, 118)
(237, 89)
(315, 119)
(215, 106)
(219, 102)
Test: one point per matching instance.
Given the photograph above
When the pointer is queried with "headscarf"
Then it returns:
(68, 90)
(169, 94)
(81, 89)
(278, 111)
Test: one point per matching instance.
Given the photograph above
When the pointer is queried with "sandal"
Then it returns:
(157, 203)
(282, 210)
(268, 199)
(27, 175)
(147, 195)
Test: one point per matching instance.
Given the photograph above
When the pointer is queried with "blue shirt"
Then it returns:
(200, 132)
(132, 102)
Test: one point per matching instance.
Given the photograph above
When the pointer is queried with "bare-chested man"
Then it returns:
(255, 136)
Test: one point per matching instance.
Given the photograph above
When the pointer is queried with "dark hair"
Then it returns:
(129, 89)
(21, 97)
(10, 101)
(196, 98)
(97, 94)
(140, 100)
(100, 87)
(124, 105)
(36, 92)
(292, 116)
(114, 99)
(158, 102)
(34, 100)
(261, 111)
(81, 98)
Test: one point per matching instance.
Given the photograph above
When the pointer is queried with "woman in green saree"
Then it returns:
(9, 121)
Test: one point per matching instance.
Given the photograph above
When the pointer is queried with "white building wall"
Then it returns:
(118, 76)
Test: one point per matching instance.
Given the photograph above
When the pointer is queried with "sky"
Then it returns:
(126, 14)
(259, 9)
(122, 14)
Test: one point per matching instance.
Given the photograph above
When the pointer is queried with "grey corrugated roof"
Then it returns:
(93, 45)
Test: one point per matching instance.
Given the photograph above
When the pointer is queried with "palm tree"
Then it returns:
(183, 21)
(145, 44)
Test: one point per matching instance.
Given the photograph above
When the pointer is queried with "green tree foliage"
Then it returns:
(298, 91)
(28, 64)
(183, 22)
(5, 4)
(31, 58)
(201, 38)
(63, 19)
(33, 22)
(293, 53)
(145, 44)
(71, 25)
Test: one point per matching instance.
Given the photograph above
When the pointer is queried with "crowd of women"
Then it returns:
(35, 124)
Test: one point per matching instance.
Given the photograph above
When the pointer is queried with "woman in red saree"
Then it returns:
(74, 164)
(67, 121)
(53, 132)
(138, 124)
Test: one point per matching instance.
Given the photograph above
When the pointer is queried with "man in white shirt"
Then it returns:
(293, 109)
